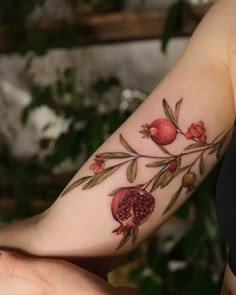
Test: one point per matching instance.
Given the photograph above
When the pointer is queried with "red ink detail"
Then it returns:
(173, 165)
(98, 164)
(131, 207)
(190, 189)
(196, 131)
(161, 131)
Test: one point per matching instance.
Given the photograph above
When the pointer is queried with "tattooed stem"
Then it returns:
(151, 180)
(209, 146)
(155, 157)
(201, 154)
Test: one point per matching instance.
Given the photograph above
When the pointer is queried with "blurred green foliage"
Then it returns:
(78, 111)
(15, 12)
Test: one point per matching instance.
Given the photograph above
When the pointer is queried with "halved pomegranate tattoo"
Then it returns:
(132, 205)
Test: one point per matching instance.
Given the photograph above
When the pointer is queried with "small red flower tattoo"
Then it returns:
(98, 164)
(173, 165)
(196, 131)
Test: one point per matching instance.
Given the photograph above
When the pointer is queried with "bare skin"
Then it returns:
(27, 276)
(84, 222)
(229, 284)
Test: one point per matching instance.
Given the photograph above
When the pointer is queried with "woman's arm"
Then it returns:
(151, 164)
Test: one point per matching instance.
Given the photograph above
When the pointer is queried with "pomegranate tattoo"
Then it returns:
(188, 181)
(132, 205)
(161, 131)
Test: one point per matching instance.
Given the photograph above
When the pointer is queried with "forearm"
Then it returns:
(21, 235)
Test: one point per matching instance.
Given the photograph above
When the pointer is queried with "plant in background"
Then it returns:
(85, 118)
(16, 12)
(177, 13)
(95, 6)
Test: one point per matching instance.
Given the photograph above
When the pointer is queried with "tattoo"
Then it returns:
(132, 204)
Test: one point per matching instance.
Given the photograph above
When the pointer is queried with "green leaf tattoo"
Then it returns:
(132, 204)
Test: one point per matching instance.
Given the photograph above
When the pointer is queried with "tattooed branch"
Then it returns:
(132, 205)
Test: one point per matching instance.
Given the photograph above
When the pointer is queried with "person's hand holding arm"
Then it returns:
(37, 276)
(151, 164)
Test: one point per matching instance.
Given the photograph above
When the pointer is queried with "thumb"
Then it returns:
(37, 270)
(13, 264)
(11, 284)
(7, 263)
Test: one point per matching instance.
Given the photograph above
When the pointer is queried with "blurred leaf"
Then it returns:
(158, 180)
(94, 134)
(177, 109)
(64, 148)
(167, 179)
(126, 145)
(40, 96)
(180, 170)
(132, 170)
(200, 283)
(15, 12)
(214, 149)
(163, 149)
(101, 176)
(173, 22)
(168, 111)
(134, 233)
(173, 199)
(126, 237)
(150, 283)
(68, 73)
(201, 165)
(158, 163)
(194, 145)
(102, 85)
(114, 119)
(73, 185)
(115, 155)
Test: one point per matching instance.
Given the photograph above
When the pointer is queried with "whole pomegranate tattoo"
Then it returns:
(188, 181)
(161, 131)
(132, 205)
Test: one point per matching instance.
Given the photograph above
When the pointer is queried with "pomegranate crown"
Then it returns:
(145, 131)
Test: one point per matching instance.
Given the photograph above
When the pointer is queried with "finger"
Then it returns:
(7, 263)
(12, 286)
(38, 270)
(16, 265)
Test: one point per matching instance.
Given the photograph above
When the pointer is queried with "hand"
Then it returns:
(38, 276)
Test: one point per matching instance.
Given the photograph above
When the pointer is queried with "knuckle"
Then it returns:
(7, 263)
